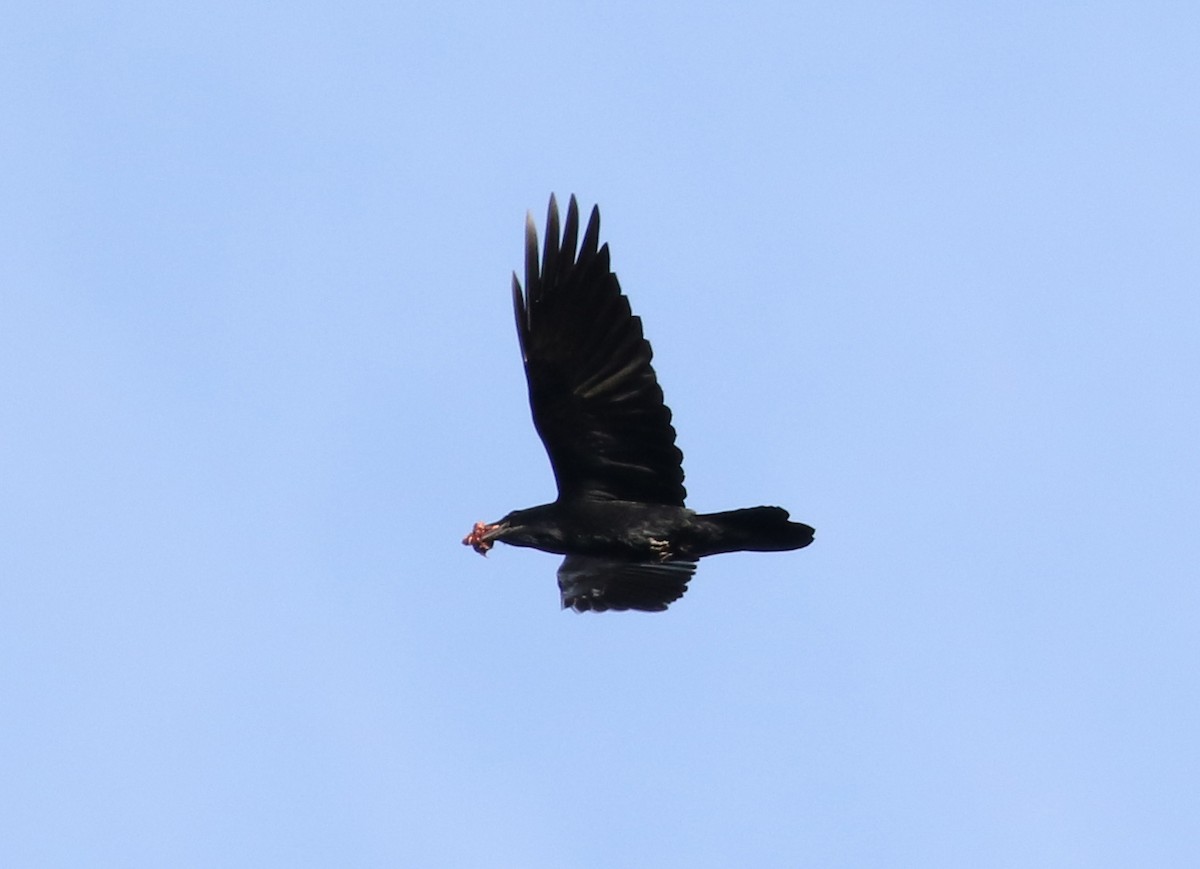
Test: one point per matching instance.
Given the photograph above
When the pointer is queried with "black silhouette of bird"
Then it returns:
(629, 541)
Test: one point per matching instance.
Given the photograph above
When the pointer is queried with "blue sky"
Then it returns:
(925, 274)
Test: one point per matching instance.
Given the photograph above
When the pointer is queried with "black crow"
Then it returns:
(619, 518)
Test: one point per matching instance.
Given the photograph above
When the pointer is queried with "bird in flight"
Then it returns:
(619, 518)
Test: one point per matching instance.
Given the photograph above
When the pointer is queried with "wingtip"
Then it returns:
(531, 252)
(550, 251)
(591, 235)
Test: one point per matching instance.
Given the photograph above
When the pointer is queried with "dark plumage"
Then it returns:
(619, 517)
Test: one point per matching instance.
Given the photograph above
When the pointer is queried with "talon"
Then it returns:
(661, 548)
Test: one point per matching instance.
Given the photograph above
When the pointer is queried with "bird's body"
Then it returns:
(620, 519)
(650, 532)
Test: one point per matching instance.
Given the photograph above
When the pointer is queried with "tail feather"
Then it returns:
(754, 529)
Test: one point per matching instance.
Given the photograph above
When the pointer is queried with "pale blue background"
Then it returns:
(926, 274)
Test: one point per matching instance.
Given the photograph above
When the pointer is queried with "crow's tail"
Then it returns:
(754, 529)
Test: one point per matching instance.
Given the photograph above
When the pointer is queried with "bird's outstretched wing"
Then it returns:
(596, 402)
(600, 584)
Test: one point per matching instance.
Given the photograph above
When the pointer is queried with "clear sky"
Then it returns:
(926, 274)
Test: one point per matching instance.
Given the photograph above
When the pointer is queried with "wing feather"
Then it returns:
(598, 584)
(595, 398)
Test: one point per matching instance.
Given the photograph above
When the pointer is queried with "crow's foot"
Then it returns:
(660, 548)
